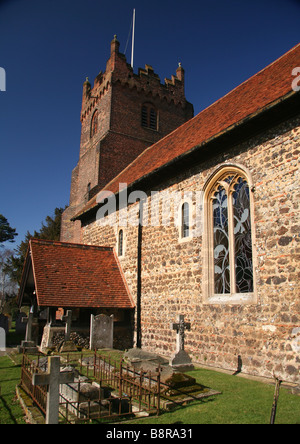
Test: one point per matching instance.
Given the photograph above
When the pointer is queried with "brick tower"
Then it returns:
(121, 116)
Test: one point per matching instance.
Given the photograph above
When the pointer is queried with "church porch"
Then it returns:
(65, 284)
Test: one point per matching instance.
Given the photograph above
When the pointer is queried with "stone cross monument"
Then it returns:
(180, 328)
(68, 320)
(181, 360)
(29, 345)
(53, 379)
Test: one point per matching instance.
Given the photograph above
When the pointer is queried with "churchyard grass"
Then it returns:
(10, 409)
(243, 401)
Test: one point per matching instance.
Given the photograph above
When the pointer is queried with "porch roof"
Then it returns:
(74, 275)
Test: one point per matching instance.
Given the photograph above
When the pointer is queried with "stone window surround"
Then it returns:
(94, 123)
(208, 269)
(190, 203)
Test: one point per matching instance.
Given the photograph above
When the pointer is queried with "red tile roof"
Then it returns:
(248, 99)
(72, 275)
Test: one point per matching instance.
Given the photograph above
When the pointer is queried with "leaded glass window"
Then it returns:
(121, 243)
(231, 233)
(185, 217)
(221, 241)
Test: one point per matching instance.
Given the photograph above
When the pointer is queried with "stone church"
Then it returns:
(200, 214)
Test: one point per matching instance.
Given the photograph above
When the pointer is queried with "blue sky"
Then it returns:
(48, 47)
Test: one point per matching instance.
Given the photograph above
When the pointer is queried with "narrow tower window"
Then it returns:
(94, 123)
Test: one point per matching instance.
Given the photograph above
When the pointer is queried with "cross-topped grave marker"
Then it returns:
(29, 344)
(181, 359)
(53, 379)
(68, 320)
(180, 328)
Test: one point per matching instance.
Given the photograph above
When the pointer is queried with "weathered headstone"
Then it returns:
(151, 362)
(102, 331)
(81, 394)
(181, 360)
(45, 338)
(67, 346)
(53, 379)
(2, 340)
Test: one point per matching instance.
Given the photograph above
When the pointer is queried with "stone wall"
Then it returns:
(265, 335)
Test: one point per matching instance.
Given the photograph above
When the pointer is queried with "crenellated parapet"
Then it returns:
(146, 81)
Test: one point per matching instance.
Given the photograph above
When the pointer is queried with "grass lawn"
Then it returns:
(10, 409)
(242, 401)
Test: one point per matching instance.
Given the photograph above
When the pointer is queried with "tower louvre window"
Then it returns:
(149, 116)
(144, 116)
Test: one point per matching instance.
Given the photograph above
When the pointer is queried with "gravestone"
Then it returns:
(2, 340)
(176, 388)
(101, 332)
(49, 335)
(151, 362)
(181, 360)
(45, 338)
(52, 380)
(67, 346)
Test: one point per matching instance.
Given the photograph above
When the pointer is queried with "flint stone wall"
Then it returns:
(263, 336)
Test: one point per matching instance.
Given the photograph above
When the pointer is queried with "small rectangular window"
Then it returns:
(121, 243)
(185, 220)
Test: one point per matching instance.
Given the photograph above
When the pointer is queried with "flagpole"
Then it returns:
(133, 31)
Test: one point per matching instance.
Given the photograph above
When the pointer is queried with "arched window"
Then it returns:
(121, 243)
(149, 116)
(94, 123)
(229, 252)
(185, 220)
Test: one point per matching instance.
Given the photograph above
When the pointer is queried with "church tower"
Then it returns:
(121, 115)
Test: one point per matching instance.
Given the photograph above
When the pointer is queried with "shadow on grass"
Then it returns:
(8, 409)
